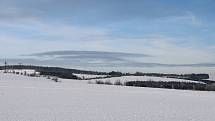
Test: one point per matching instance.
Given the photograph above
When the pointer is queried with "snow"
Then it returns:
(212, 76)
(27, 71)
(25, 98)
(143, 78)
(89, 76)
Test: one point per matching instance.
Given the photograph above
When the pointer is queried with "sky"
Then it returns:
(170, 31)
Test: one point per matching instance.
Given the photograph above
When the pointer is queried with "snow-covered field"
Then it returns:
(23, 71)
(25, 98)
(89, 76)
(212, 76)
(143, 78)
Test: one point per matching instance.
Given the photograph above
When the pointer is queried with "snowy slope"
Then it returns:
(89, 76)
(143, 78)
(212, 76)
(38, 99)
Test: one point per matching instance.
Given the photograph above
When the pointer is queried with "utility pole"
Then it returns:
(5, 67)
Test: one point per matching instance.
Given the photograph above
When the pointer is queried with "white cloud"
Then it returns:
(49, 36)
(168, 50)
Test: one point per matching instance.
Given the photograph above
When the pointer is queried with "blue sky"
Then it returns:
(172, 31)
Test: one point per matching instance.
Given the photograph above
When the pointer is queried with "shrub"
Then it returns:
(118, 82)
(113, 73)
(90, 82)
(102, 82)
(99, 82)
(55, 79)
(210, 87)
(108, 82)
(66, 75)
(48, 77)
(171, 85)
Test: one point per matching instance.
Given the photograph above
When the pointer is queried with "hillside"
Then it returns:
(25, 98)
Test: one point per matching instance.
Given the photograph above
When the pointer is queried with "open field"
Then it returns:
(144, 78)
(38, 99)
